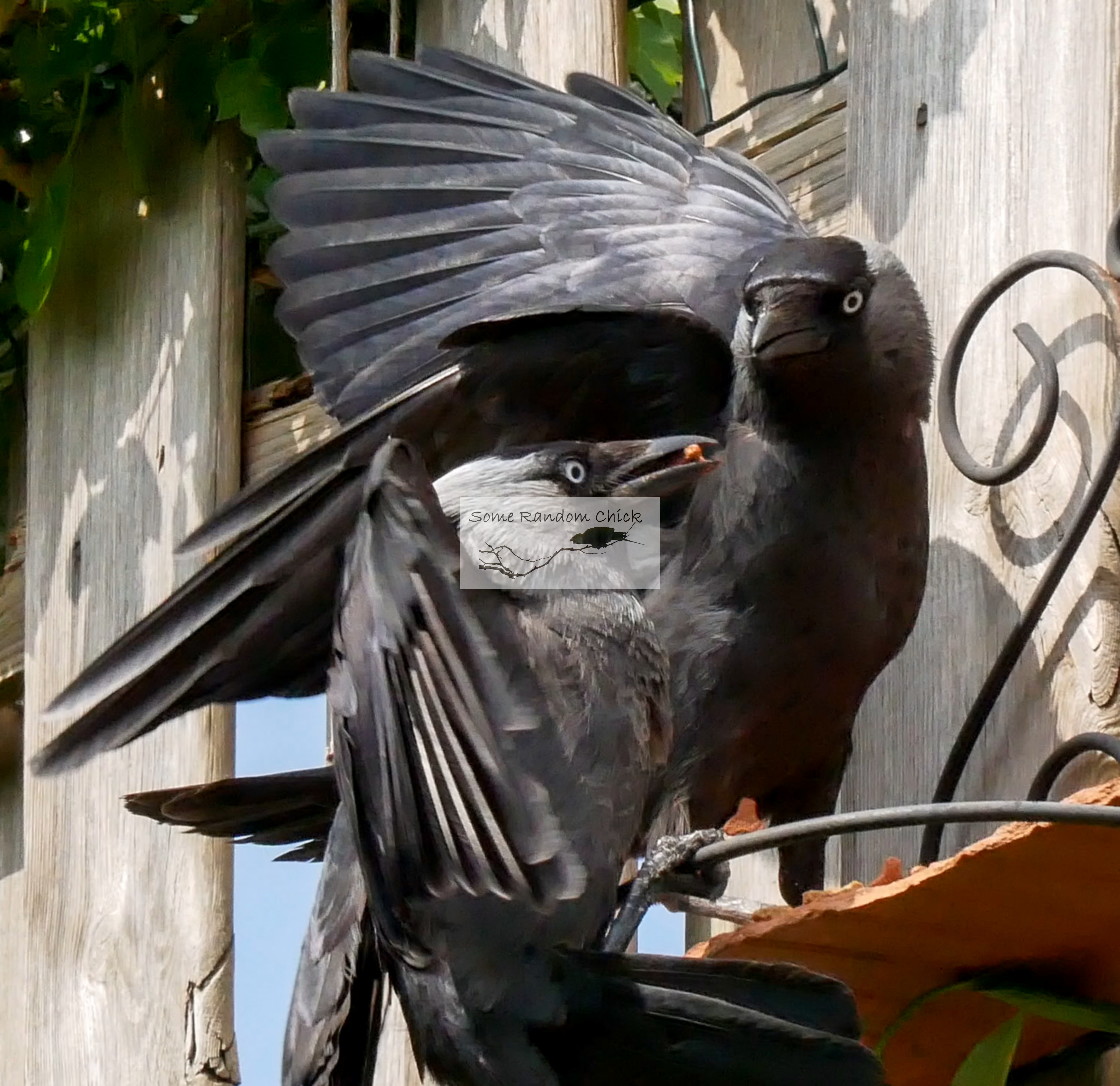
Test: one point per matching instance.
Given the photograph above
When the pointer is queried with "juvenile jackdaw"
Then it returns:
(494, 751)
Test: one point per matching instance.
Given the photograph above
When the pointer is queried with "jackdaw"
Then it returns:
(494, 753)
(477, 260)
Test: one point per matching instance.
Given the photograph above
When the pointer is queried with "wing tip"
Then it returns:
(58, 757)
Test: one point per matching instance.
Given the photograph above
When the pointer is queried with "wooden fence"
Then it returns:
(968, 134)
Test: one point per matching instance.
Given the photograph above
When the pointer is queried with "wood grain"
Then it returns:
(134, 433)
(751, 48)
(1018, 153)
(545, 39)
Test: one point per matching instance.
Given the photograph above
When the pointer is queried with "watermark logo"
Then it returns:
(560, 543)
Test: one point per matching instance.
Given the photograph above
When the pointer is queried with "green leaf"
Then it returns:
(294, 48)
(653, 50)
(1082, 1013)
(193, 62)
(1027, 998)
(990, 1060)
(39, 261)
(260, 181)
(245, 92)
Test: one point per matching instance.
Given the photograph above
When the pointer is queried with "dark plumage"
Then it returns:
(494, 754)
(477, 261)
(804, 558)
(294, 808)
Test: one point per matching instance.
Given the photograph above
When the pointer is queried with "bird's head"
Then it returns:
(658, 468)
(513, 512)
(830, 326)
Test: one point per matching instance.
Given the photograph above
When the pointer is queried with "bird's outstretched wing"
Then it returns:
(441, 742)
(340, 990)
(292, 808)
(457, 192)
(254, 622)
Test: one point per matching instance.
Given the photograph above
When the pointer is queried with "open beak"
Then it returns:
(663, 466)
(784, 330)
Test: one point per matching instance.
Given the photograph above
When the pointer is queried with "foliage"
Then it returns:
(989, 1062)
(653, 49)
(64, 63)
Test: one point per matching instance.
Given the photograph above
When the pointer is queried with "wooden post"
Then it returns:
(134, 428)
(751, 48)
(999, 142)
(545, 39)
(799, 141)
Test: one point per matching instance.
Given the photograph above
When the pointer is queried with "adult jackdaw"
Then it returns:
(476, 260)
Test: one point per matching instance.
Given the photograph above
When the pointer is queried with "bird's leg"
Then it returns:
(709, 883)
(666, 856)
(734, 910)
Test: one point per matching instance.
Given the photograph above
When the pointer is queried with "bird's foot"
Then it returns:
(662, 862)
(745, 820)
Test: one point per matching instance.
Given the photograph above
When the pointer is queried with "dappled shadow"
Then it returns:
(888, 128)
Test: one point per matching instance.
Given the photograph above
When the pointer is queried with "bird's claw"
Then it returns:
(660, 871)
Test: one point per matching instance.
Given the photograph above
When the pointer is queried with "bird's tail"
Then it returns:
(293, 808)
(662, 1021)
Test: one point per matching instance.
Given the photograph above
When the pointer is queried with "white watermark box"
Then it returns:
(560, 543)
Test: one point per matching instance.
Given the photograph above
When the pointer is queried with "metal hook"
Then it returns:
(1109, 291)
(1073, 748)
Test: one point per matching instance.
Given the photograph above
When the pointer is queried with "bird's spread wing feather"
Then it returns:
(340, 989)
(429, 721)
(254, 622)
(458, 192)
(292, 808)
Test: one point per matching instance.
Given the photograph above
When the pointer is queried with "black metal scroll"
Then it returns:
(941, 811)
(1109, 290)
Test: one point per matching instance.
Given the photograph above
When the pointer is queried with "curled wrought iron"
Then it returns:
(634, 908)
(1109, 290)
(1048, 772)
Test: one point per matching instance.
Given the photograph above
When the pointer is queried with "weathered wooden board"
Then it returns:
(1000, 142)
(279, 422)
(751, 48)
(545, 39)
(133, 437)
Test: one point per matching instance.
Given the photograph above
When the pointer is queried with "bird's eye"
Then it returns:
(852, 303)
(575, 471)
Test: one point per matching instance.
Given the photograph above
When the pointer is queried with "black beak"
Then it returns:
(784, 329)
(663, 466)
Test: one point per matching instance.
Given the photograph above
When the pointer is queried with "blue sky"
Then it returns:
(272, 900)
